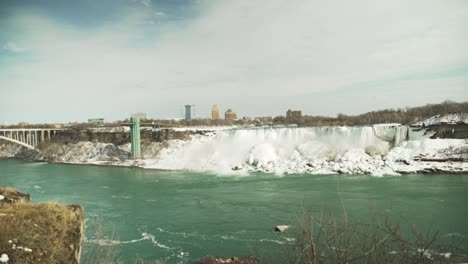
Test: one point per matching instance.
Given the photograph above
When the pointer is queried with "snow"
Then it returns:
(308, 150)
(4, 258)
(204, 128)
(452, 119)
(404, 158)
(386, 149)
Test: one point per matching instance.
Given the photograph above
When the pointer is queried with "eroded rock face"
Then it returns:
(8, 150)
(39, 233)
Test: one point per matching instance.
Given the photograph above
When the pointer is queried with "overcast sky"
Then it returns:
(72, 60)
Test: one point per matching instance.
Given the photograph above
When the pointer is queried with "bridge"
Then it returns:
(28, 137)
(32, 137)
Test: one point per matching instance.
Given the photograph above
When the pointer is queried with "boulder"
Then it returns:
(231, 260)
(282, 228)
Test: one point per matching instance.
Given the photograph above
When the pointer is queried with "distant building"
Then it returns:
(2, 124)
(96, 121)
(264, 119)
(230, 115)
(23, 124)
(140, 115)
(188, 112)
(293, 117)
(215, 112)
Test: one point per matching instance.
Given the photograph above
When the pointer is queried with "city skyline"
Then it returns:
(70, 61)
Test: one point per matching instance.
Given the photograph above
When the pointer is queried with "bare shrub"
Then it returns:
(328, 239)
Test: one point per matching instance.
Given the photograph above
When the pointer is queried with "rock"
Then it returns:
(282, 228)
(232, 260)
(4, 258)
(11, 196)
(238, 167)
(39, 233)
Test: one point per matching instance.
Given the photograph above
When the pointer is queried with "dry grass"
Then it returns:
(51, 231)
(11, 196)
(7, 190)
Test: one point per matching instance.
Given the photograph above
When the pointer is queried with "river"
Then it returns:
(180, 216)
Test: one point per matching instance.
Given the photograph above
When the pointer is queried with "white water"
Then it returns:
(278, 149)
(378, 150)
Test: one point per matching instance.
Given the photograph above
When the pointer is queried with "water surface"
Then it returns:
(180, 216)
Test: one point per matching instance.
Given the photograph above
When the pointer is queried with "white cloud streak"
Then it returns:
(146, 2)
(11, 46)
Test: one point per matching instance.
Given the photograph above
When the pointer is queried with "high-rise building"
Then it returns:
(188, 112)
(230, 115)
(215, 112)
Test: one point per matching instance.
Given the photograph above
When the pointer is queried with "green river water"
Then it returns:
(180, 216)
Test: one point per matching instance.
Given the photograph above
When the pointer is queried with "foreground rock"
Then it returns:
(11, 196)
(232, 260)
(39, 233)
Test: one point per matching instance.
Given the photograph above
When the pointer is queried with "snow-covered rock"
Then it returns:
(380, 150)
(282, 228)
(451, 119)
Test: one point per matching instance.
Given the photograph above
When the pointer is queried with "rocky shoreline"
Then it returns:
(387, 149)
(399, 160)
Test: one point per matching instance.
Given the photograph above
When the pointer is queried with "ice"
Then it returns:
(386, 149)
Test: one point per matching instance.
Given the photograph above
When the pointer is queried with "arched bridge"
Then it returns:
(28, 137)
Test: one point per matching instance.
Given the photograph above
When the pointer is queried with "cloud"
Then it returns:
(12, 47)
(146, 2)
(231, 50)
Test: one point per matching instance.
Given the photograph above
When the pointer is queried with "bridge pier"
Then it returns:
(135, 137)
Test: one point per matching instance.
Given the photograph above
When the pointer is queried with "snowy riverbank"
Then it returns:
(387, 149)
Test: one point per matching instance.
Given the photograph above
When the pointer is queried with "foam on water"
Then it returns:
(112, 242)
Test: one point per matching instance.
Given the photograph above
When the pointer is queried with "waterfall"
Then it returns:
(401, 134)
(262, 146)
(392, 133)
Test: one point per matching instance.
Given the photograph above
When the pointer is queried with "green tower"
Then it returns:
(135, 137)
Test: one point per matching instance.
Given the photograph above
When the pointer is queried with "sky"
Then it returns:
(66, 61)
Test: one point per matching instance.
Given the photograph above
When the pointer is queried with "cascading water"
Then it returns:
(392, 133)
(276, 148)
